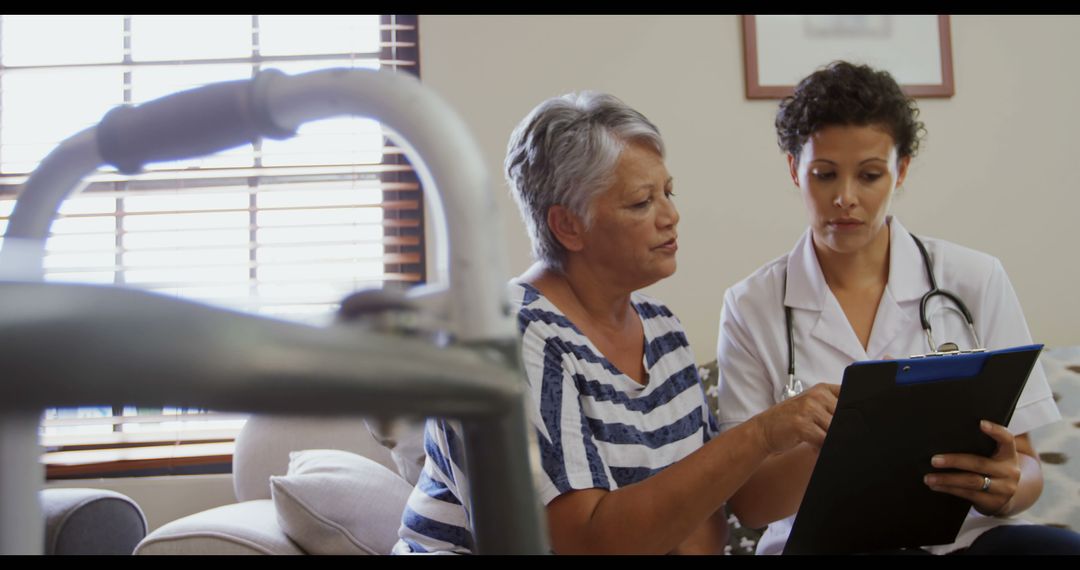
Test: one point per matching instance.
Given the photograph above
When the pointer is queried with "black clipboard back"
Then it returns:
(866, 493)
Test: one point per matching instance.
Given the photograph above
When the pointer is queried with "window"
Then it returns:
(279, 228)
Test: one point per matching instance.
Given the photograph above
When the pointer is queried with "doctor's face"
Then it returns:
(847, 175)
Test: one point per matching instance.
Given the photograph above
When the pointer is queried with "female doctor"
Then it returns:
(850, 290)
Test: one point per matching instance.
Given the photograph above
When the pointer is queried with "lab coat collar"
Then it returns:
(807, 290)
(806, 286)
(907, 277)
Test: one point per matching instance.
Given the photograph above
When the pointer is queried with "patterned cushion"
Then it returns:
(742, 540)
(1058, 444)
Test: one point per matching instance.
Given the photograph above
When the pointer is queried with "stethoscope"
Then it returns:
(795, 387)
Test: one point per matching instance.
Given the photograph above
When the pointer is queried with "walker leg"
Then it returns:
(21, 525)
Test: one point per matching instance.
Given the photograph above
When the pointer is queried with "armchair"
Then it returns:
(251, 526)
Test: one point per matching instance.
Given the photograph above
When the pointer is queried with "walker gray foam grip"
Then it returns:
(188, 124)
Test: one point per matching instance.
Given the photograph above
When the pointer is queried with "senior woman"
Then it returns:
(631, 460)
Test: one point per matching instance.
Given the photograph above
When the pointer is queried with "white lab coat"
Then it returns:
(752, 350)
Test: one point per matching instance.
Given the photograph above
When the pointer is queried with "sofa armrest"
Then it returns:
(90, 521)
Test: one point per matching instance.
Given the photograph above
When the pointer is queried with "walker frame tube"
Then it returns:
(66, 344)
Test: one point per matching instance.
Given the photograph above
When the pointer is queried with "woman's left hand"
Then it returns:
(1001, 470)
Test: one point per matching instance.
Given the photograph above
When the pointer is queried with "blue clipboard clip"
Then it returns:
(948, 353)
(948, 365)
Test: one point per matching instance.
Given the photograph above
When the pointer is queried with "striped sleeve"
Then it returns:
(435, 520)
(569, 456)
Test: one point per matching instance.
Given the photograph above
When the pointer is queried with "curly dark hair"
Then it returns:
(842, 93)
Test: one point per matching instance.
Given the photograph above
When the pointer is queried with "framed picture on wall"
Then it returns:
(781, 50)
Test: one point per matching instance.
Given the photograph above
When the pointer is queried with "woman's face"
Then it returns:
(847, 175)
(633, 236)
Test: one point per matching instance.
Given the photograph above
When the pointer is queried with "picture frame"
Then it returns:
(781, 50)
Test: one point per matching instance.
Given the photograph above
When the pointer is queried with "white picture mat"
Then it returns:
(788, 48)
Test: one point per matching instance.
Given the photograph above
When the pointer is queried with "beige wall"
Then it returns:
(995, 173)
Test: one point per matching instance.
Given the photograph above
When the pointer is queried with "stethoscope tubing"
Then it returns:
(794, 387)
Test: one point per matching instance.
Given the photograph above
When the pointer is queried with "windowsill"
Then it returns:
(182, 459)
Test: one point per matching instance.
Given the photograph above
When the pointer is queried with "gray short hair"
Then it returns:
(564, 152)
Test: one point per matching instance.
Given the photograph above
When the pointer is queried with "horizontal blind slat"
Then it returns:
(388, 205)
(385, 240)
(154, 418)
(62, 442)
(11, 183)
(385, 258)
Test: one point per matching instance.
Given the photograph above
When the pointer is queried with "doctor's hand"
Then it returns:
(803, 418)
(988, 482)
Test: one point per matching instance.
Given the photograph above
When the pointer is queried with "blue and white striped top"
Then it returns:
(595, 426)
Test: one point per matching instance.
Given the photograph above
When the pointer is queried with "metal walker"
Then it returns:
(71, 344)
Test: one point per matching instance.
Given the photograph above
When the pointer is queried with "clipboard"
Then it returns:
(866, 493)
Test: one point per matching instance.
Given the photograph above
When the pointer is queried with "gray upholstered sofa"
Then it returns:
(343, 496)
(90, 521)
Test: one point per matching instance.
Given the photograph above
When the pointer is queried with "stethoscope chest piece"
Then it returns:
(794, 388)
(948, 347)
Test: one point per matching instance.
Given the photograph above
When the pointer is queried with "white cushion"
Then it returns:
(242, 528)
(263, 446)
(336, 502)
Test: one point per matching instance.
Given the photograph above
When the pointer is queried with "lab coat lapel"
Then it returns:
(907, 274)
(833, 329)
(899, 305)
(889, 322)
(808, 291)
